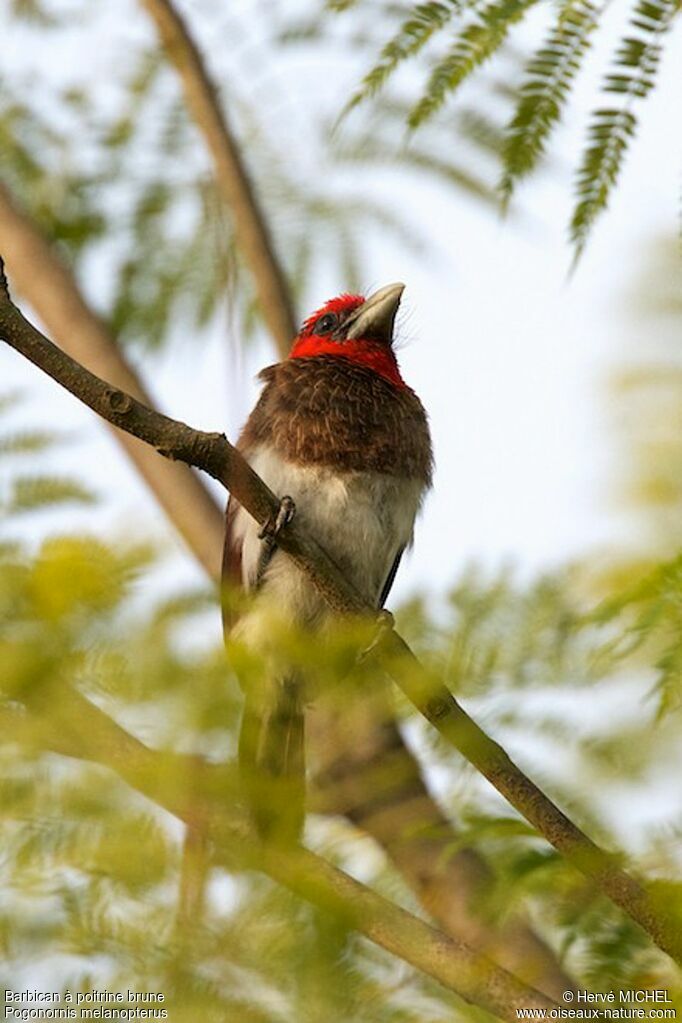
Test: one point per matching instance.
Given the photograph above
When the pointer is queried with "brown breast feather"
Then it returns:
(328, 411)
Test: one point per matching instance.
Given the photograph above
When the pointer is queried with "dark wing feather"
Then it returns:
(390, 578)
(232, 567)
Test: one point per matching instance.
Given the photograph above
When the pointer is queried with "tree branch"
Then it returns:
(213, 453)
(253, 238)
(49, 286)
(76, 728)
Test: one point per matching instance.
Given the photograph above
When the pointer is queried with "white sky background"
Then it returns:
(510, 357)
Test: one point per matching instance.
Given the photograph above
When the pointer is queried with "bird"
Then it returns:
(344, 443)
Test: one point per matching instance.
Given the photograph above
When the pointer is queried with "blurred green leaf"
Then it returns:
(31, 493)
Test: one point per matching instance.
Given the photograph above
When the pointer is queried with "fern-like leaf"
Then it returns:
(33, 492)
(28, 442)
(636, 62)
(548, 80)
(476, 43)
(415, 32)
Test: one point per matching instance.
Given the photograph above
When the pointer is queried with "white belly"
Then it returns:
(361, 519)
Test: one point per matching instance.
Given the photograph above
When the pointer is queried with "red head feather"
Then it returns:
(368, 352)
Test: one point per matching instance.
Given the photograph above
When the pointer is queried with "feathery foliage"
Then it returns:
(372, 145)
(549, 76)
(635, 65)
(422, 23)
(33, 492)
(22, 491)
(542, 97)
(646, 401)
(654, 605)
(27, 441)
(478, 41)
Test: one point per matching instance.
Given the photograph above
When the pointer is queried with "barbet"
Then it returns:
(338, 432)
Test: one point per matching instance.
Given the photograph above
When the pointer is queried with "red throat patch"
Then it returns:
(373, 355)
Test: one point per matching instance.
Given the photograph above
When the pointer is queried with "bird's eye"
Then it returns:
(326, 324)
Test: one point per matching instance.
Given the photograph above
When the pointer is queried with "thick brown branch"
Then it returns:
(75, 727)
(253, 239)
(44, 280)
(214, 454)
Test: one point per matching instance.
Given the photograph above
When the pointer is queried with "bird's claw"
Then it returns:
(276, 523)
(385, 623)
(269, 532)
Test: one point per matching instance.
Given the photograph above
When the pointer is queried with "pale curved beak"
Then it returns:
(375, 318)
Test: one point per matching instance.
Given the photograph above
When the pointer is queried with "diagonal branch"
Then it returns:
(45, 281)
(77, 728)
(253, 237)
(213, 453)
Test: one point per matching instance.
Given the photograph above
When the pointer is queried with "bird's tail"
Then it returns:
(272, 759)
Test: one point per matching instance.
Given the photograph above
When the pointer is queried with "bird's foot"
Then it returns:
(385, 623)
(269, 532)
(276, 523)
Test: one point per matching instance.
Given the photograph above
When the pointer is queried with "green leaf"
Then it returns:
(635, 63)
(475, 44)
(31, 493)
(74, 572)
(28, 442)
(415, 32)
(545, 89)
(609, 134)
